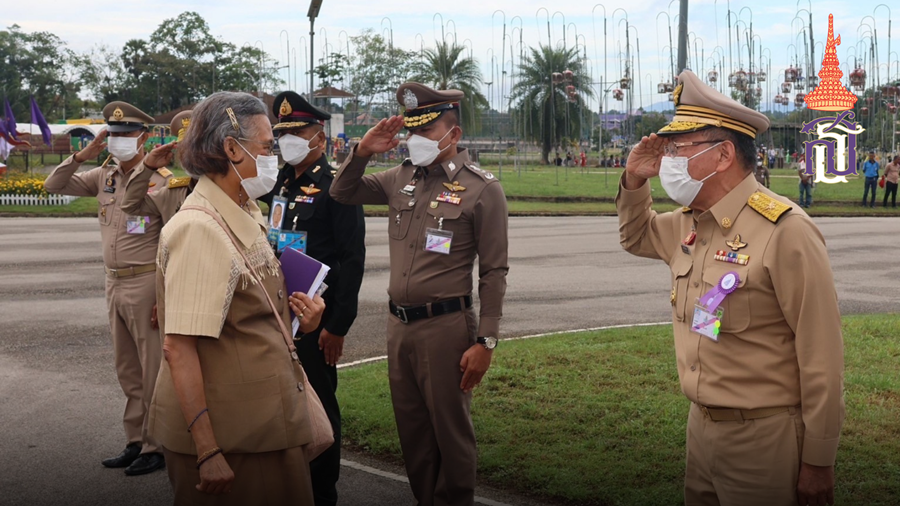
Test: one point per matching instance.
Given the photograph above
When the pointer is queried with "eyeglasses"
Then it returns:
(268, 146)
(672, 147)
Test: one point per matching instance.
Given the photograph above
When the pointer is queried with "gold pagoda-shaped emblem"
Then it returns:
(830, 94)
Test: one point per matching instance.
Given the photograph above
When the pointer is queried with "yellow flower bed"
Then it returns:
(20, 184)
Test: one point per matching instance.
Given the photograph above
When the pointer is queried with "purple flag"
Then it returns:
(10, 121)
(38, 119)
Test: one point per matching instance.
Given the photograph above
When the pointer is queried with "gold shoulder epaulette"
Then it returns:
(686, 210)
(164, 172)
(179, 182)
(767, 206)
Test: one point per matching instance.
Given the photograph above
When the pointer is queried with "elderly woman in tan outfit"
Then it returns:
(229, 407)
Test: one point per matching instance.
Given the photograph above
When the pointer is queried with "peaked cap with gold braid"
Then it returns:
(697, 106)
(423, 105)
(293, 111)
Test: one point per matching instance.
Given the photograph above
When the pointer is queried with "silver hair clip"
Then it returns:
(234, 121)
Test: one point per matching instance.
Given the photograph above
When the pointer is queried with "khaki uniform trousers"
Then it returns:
(279, 478)
(433, 415)
(750, 463)
(138, 349)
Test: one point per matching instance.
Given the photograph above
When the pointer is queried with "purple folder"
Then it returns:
(302, 273)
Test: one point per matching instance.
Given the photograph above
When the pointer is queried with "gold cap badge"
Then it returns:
(118, 114)
(409, 100)
(285, 109)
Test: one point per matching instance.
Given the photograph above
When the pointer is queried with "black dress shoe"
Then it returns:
(146, 463)
(124, 459)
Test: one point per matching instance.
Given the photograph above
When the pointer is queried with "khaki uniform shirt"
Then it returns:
(478, 223)
(141, 198)
(254, 389)
(780, 342)
(128, 240)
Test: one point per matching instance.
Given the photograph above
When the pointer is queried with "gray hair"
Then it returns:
(202, 151)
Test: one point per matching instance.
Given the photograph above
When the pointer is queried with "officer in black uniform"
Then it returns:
(335, 237)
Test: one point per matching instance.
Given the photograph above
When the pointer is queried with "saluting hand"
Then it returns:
(160, 156)
(474, 364)
(93, 149)
(643, 161)
(380, 138)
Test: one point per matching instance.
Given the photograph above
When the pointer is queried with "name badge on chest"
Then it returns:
(110, 186)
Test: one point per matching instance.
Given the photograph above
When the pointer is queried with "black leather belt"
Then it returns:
(412, 313)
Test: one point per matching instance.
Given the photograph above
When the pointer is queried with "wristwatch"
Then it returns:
(489, 343)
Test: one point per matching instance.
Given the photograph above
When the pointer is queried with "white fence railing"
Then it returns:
(32, 200)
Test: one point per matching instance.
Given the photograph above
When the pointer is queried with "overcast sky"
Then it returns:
(113, 23)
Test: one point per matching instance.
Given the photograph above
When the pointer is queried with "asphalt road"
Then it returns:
(60, 403)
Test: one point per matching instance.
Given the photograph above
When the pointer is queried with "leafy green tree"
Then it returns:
(332, 70)
(38, 64)
(447, 67)
(546, 105)
(376, 70)
(179, 64)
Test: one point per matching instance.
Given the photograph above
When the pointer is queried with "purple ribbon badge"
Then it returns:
(726, 285)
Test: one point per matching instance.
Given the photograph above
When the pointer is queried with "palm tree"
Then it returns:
(546, 106)
(445, 68)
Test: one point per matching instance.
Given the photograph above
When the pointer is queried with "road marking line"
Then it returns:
(404, 479)
(546, 334)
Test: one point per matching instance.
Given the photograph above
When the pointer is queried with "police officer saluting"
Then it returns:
(142, 196)
(334, 234)
(129, 255)
(444, 211)
(755, 312)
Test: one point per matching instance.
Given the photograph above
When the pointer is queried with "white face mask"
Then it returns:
(295, 149)
(123, 148)
(265, 178)
(677, 182)
(423, 151)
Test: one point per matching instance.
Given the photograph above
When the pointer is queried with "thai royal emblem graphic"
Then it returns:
(835, 147)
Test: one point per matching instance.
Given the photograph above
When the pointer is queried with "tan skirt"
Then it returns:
(260, 479)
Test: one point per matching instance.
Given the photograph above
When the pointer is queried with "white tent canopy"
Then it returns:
(31, 128)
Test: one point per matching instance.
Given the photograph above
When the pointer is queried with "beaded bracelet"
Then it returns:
(208, 455)
(204, 410)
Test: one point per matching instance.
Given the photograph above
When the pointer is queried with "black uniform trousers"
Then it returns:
(326, 468)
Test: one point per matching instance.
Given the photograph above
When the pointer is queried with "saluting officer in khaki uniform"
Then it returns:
(756, 321)
(129, 254)
(444, 212)
(142, 196)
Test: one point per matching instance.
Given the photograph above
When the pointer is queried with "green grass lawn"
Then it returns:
(602, 183)
(598, 418)
(535, 190)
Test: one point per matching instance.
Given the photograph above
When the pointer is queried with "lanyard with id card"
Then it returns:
(136, 224)
(707, 313)
(438, 240)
